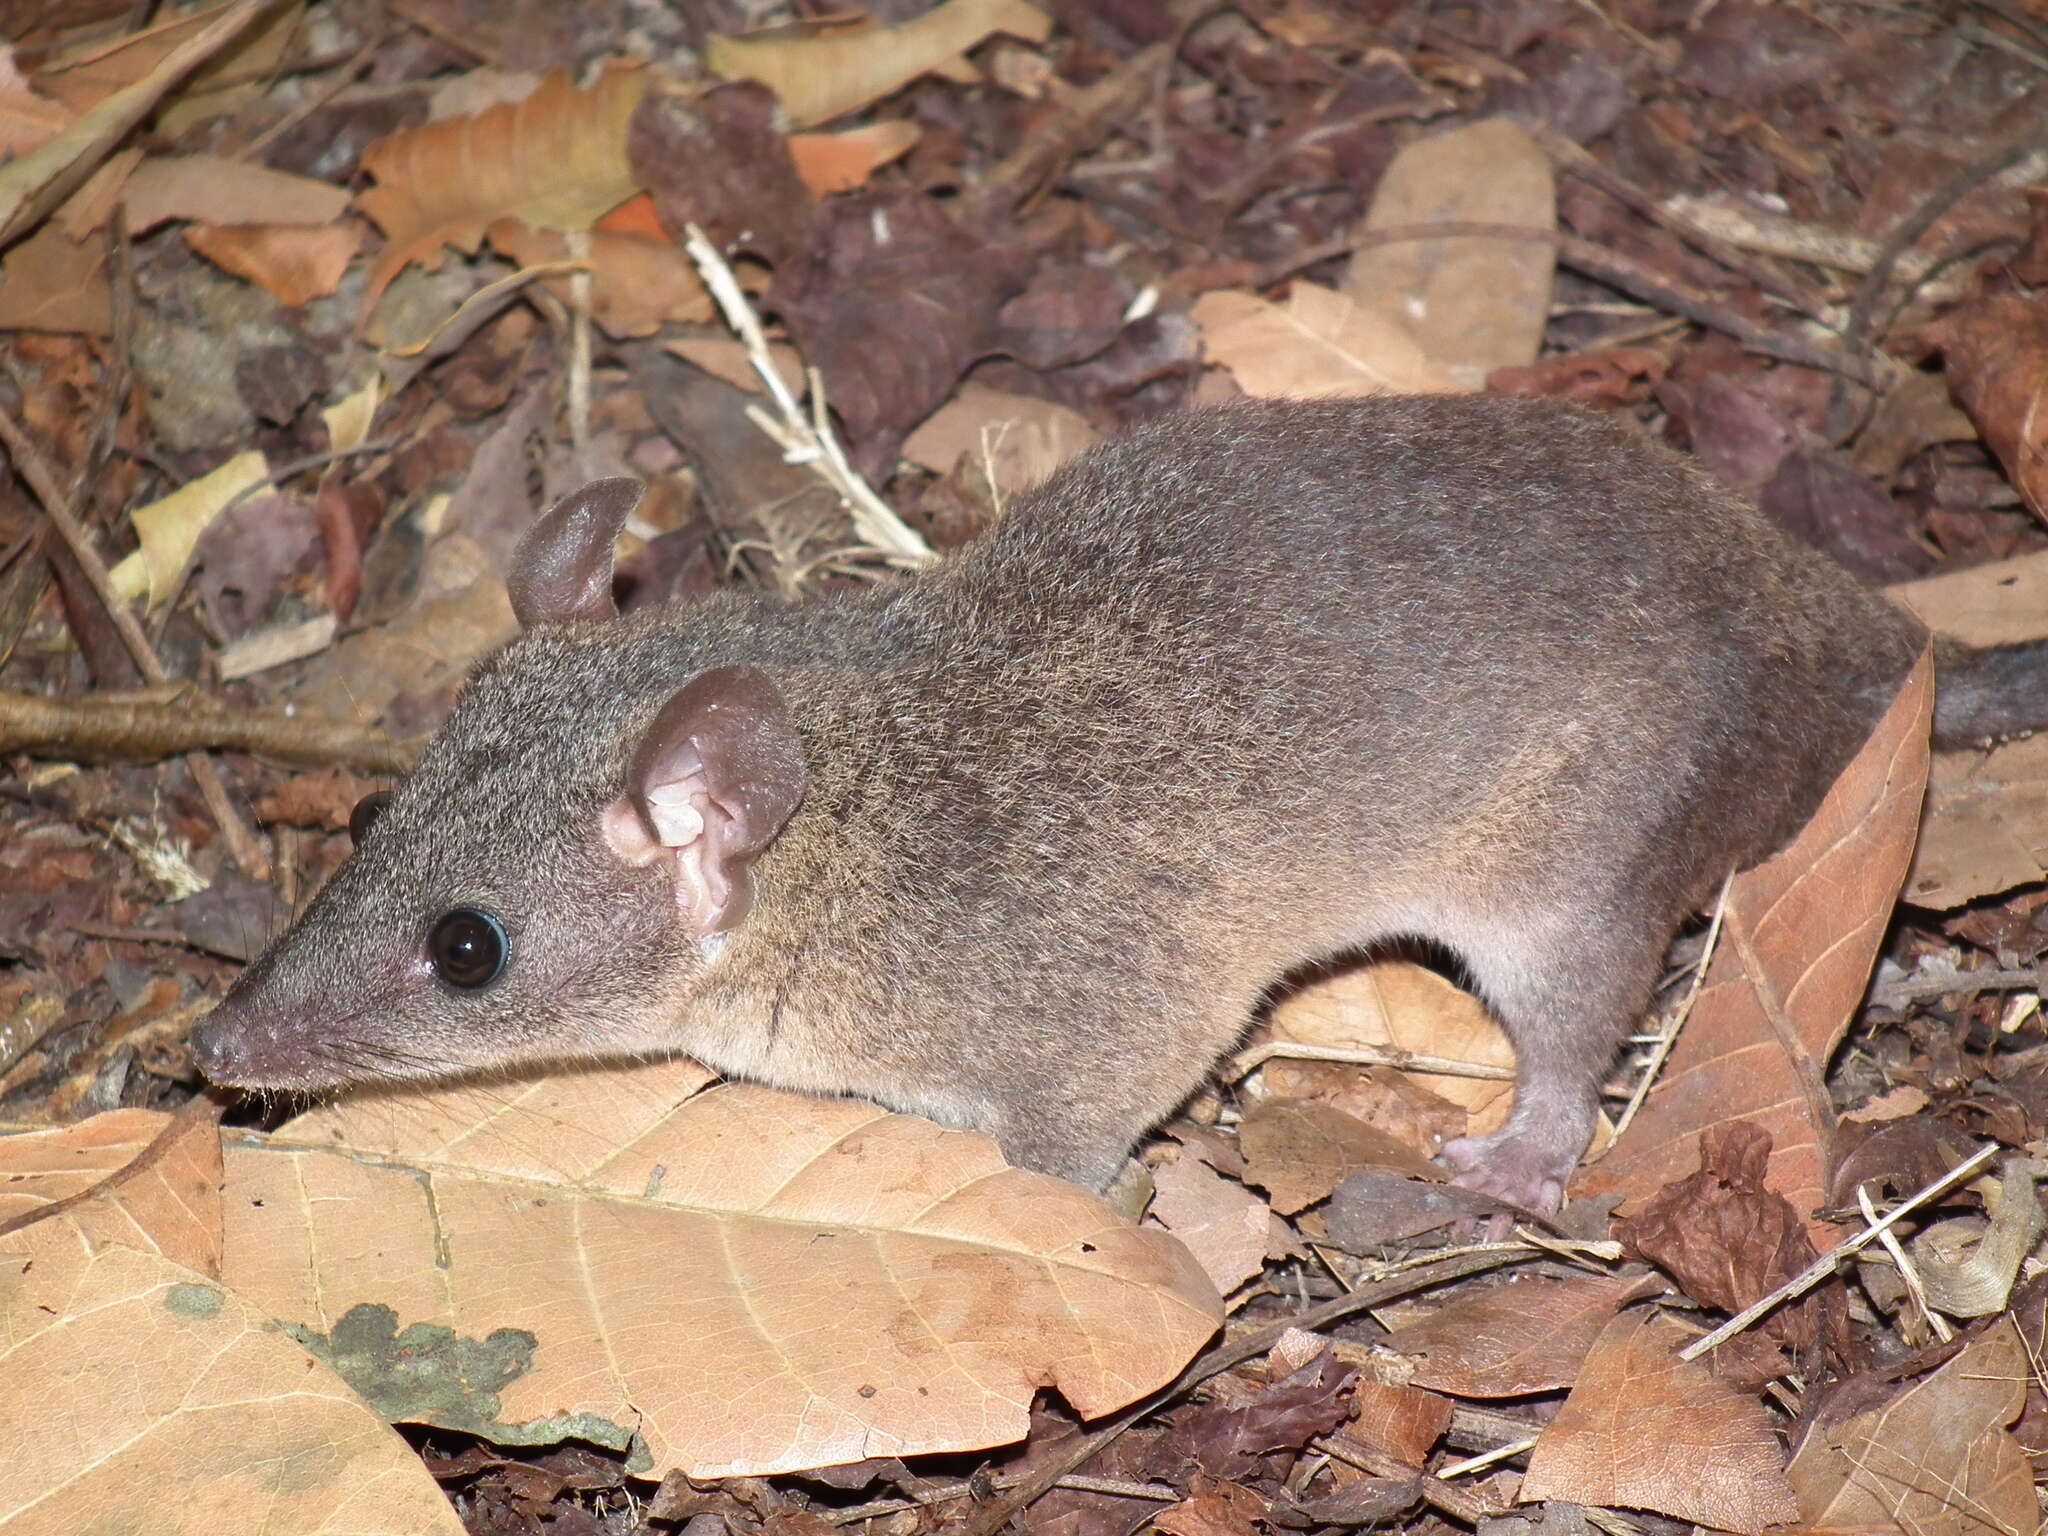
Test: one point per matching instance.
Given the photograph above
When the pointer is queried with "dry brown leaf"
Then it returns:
(637, 284)
(1394, 1003)
(1995, 353)
(1317, 344)
(825, 74)
(556, 160)
(40, 180)
(1645, 1430)
(1471, 305)
(1224, 1225)
(130, 1178)
(290, 262)
(1799, 937)
(1402, 1422)
(1016, 440)
(840, 162)
(27, 120)
(753, 1281)
(208, 189)
(1529, 1335)
(51, 282)
(145, 1397)
(1299, 1151)
(1935, 1460)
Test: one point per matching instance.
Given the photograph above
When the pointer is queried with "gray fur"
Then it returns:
(1240, 690)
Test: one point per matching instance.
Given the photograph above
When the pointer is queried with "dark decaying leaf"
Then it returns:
(721, 161)
(1728, 1241)
(1229, 1437)
(891, 302)
(1818, 497)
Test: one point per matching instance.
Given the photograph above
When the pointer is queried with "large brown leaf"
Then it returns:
(1647, 1430)
(1800, 934)
(556, 160)
(753, 1281)
(135, 1392)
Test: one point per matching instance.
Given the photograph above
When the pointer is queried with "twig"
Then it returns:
(579, 352)
(127, 728)
(1247, 1061)
(1617, 271)
(1573, 160)
(1928, 985)
(242, 842)
(1668, 1037)
(1823, 1266)
(1466, 1508)
(1909, 1272)
(806, 442)
(1864, 309)
(992, 1517)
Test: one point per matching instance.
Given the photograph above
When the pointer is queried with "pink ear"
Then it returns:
(562, 569)
(715, 777)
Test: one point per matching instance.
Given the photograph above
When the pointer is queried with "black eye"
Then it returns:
(365, 815)
(467, 948)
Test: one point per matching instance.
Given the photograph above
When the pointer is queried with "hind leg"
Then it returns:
(1566, 1001)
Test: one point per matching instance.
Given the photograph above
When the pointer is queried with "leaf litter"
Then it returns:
(996, 232)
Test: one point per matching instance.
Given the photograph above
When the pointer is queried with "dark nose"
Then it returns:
(219, 1047)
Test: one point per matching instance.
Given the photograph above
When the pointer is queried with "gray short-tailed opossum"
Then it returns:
(1020, 841)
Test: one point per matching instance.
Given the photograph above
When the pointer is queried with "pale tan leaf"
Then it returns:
(169, 529)
(1985, 829)
(725, 357)
(37, 182)
(208, 189)
(294, 264)
(1405, 1006)
(1643, 1429)
(753, 1281)
(555, 160)
(637, 284)
(2000, 603)
(1224, 1225)
(1471, 304)
(1317, 344)
(826, 74)
(141, 1396)
(1936, 1459)
(1016, 440)
(130, 1177)
(1799, 936)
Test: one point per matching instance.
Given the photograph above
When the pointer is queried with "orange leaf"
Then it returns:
(1800, 934)
(637, 284)
(840, 162)
(556, 160)
(50, 282)
(291, 262)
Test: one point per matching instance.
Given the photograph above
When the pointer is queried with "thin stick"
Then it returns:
(1669, 1037)
(579, 351)
(124, 727)
(810, 443)
(1823, 1266)
(243, 845)
(1250, 1060)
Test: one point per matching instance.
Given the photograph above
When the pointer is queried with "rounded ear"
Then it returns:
(562, 569)
(719, 771)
